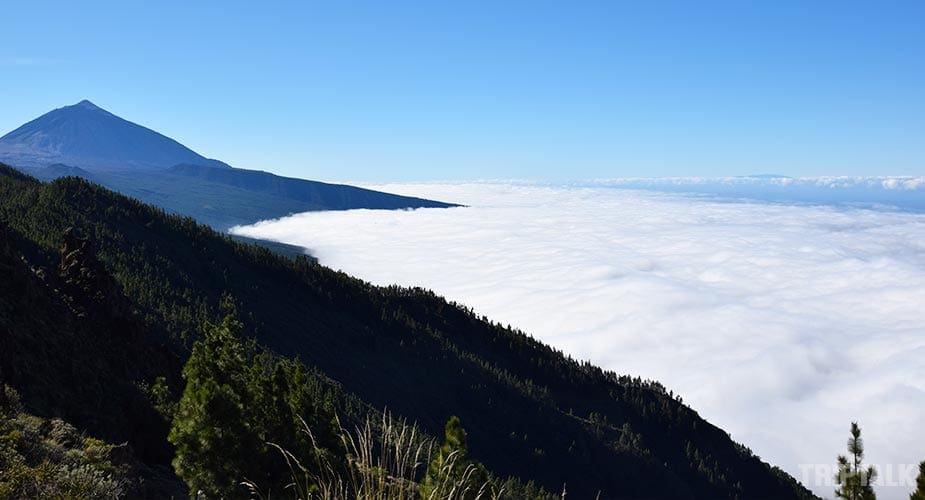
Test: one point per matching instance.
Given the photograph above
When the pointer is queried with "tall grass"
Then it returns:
(385, 460)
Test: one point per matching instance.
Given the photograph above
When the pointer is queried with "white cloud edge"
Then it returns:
(852, 237)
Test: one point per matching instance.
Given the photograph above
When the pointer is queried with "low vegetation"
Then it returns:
(49, 458)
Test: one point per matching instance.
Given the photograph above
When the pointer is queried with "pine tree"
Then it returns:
(236, 402)
(919, 493)
(213, 440)
(854, 481)
(451, 474)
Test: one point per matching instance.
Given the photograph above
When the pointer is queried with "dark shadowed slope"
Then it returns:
(87, 136)
(319, 195)
(226, 197)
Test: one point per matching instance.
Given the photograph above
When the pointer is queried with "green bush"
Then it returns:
(42, 458)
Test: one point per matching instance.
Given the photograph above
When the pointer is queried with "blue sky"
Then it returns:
(383, 91)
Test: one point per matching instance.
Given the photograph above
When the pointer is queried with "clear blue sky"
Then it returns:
(497, 89)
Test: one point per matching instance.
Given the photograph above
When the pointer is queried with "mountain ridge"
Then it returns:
(84, 140)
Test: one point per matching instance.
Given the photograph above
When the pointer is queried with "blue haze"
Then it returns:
(880, 193)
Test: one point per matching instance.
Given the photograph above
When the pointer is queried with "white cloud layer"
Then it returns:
(779, 323)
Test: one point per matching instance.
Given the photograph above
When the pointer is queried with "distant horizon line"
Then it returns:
(889, 182)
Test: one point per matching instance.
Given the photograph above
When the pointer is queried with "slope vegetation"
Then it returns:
(530, 411)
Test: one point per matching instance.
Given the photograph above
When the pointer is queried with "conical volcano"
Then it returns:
(87, 136)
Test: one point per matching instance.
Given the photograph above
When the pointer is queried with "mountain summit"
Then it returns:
(87, 136)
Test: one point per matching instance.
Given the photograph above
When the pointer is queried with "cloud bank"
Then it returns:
(781, 323)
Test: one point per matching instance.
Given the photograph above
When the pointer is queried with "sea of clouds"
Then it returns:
(779, 322)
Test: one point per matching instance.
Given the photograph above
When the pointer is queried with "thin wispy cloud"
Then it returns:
(779, 323)
(31, 61)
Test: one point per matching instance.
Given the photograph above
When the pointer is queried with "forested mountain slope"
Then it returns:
(529, 410)
(225, 197)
